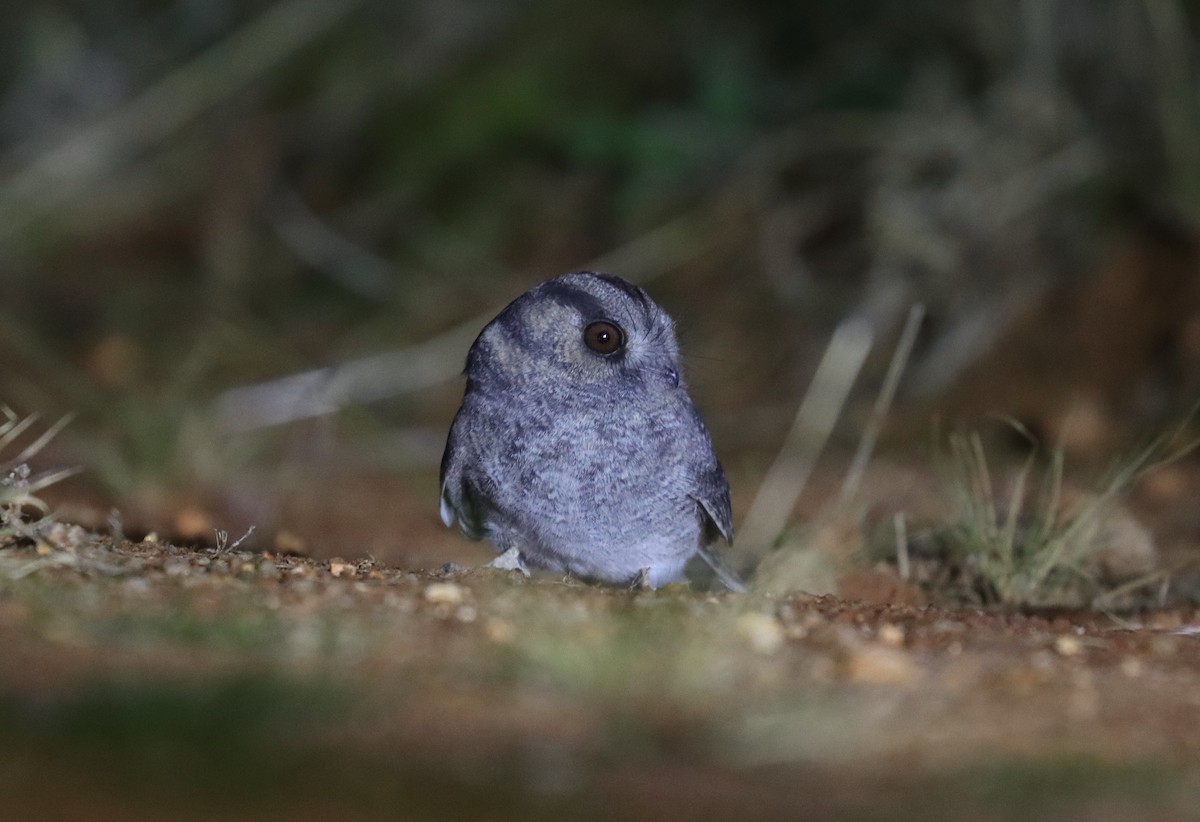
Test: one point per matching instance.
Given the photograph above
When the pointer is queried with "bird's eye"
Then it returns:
(604, 337)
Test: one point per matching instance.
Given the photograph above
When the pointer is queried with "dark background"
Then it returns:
(196, 197)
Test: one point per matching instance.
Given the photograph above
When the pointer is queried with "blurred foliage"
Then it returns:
(250, 189)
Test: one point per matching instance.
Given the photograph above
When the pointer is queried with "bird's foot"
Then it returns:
(510, 560)
(641, 581)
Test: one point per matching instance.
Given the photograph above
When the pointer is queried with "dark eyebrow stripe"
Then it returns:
(624, 286)
(588, 306)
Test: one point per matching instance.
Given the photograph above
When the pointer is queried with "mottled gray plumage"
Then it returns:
(588, 463)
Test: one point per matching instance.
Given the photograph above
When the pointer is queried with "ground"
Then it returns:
(144, 680)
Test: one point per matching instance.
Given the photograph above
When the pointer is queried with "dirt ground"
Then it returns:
(188, 677)
(148, 680)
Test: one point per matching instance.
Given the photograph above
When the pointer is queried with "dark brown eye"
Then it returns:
(604, 337)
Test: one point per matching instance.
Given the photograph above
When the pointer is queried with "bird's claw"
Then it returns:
(641, 581)
(510, 560)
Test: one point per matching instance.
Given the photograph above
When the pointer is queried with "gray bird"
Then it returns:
(577, 448)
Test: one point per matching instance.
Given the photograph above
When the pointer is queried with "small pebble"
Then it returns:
(1132, 667)
(499, 630)
(764, 632)
(137, 585)
(880, 665)
(288, 543)
(891, 634)
(1068, 645)
(65, 537)
(466, 613)
(444, 593)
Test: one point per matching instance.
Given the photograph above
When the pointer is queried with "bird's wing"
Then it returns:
(712, 493)
(460, 500)
(712, 497)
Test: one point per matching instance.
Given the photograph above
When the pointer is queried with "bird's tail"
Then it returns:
(724, 573)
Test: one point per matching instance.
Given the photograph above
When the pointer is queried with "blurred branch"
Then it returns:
(71, 168)
(351, 266)
(966, 338)
(439, 359)
(815, 420)
(866, 446)
(1038, 183)
(324, 390)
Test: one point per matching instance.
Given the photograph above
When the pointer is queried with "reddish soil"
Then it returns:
(145, 679)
